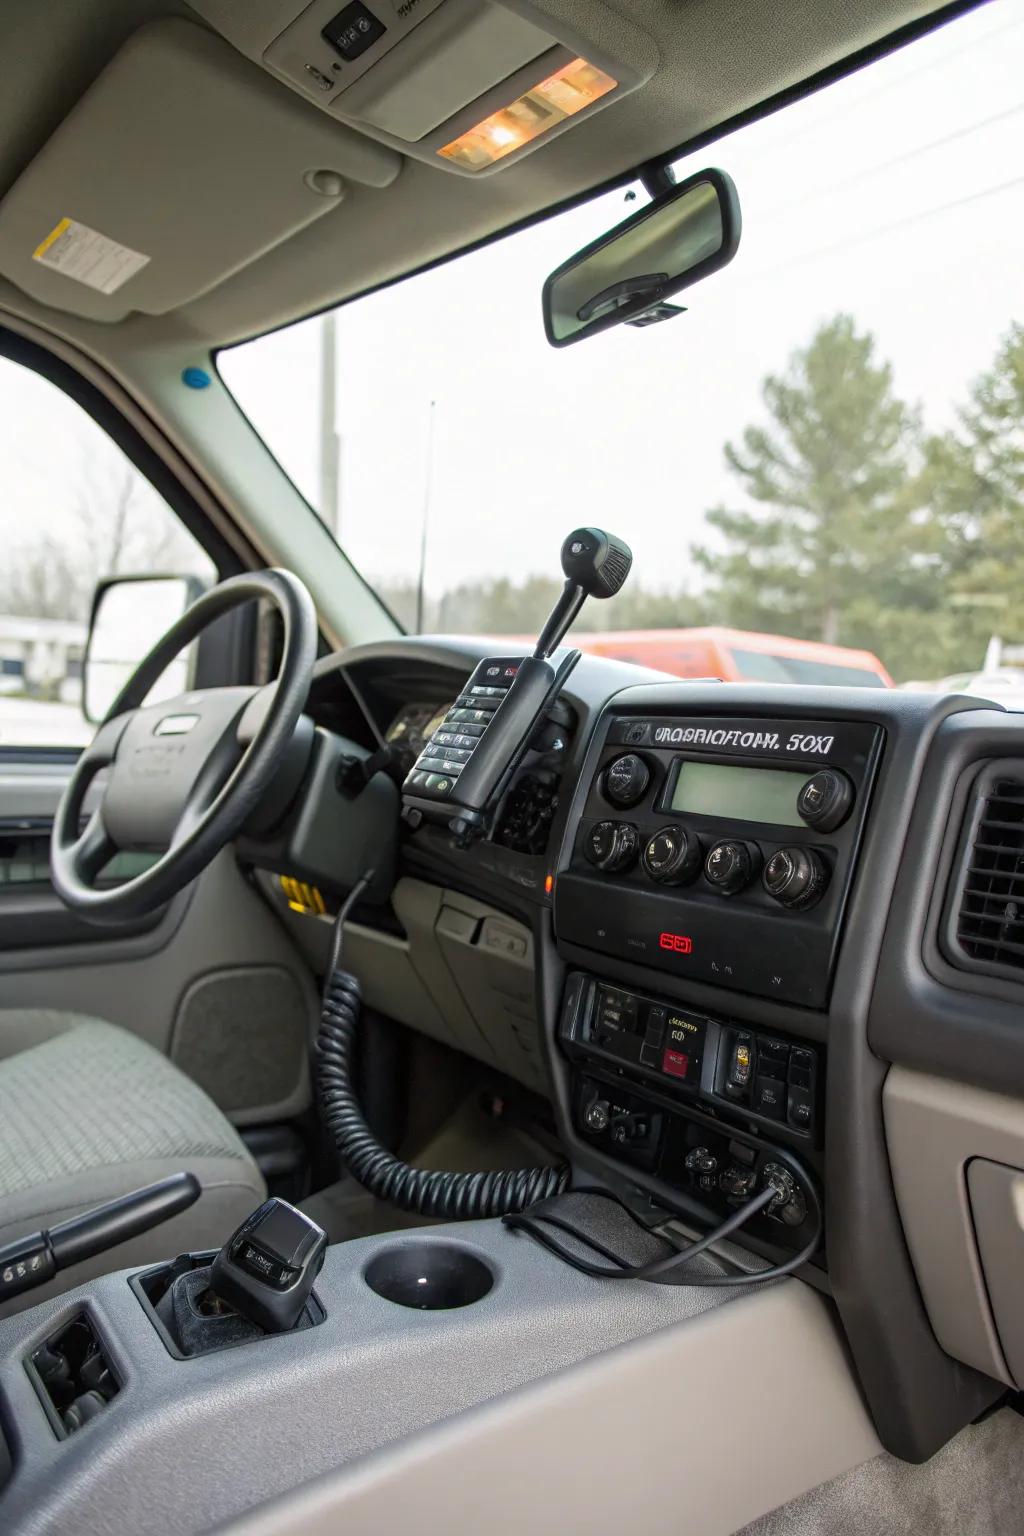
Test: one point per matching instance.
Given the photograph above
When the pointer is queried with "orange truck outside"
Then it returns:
(737, 655)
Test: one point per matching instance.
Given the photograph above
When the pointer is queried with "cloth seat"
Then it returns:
(88, 1111)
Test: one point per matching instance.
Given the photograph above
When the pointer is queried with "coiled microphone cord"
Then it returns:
(428, 1192)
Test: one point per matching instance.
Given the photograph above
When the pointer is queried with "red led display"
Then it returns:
(677, 943)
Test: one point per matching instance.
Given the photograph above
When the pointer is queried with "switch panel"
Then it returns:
(758, 1075)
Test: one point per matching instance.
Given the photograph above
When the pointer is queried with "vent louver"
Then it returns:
(989, 913)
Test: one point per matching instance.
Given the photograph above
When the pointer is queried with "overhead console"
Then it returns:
(467, 86)
(721, 849)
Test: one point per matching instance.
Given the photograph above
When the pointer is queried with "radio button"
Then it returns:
(612, 846)
(731, 865)
(626, 781)
(672, 856)
(795, 877)
(769, 1097)
(825, 800)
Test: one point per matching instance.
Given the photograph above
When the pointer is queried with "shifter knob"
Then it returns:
(266, 1269)
(596, 561)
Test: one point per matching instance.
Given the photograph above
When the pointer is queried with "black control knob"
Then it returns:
(700, 1160)
(626, 781)
(737, 1183)
(795, 877)
(596, 1116)
(672, 856)
(825, 800)
(731, 865)
(612, 845)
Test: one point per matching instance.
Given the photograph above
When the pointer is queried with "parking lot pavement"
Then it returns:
(33, 723)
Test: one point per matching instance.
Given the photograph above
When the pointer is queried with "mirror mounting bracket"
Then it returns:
(656, 180)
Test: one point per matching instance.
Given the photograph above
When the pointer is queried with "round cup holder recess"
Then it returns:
(429, 1276)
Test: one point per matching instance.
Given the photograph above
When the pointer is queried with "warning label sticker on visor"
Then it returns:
(86, 256)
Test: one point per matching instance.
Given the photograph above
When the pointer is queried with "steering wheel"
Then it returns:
(184, 774)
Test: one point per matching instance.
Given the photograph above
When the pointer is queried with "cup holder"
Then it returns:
(429, 1276)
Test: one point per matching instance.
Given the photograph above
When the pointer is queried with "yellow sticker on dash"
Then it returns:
(86, 256)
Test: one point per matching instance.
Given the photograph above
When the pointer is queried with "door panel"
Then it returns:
(212, 980)
(217, 931)
(30, 913)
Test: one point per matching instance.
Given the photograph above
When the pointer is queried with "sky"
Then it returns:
(897, 194)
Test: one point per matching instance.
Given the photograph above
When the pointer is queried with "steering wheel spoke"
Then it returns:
(93, 850)
(208, 787)
(102, 750)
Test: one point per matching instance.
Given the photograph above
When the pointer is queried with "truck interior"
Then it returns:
(463, 1082)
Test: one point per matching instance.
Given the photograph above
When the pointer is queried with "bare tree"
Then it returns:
(116, 524)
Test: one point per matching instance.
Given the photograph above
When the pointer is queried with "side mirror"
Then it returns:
(129, 615)
(628, 276)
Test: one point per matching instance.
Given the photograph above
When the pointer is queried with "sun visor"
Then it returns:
(182, 163)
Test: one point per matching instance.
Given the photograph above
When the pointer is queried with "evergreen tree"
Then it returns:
(974, 480)
(835, 545)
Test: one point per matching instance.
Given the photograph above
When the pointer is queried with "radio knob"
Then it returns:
(672, 856)
(612, 845)
(795, 877)
(731, 865)
(626, 781)
(825, 800)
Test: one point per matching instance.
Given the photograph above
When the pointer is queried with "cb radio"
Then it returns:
(464, 770)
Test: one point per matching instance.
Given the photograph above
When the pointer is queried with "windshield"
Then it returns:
(827, 446)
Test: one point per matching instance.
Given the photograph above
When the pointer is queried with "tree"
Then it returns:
(974, 479)
(115, 523)
(835, 545)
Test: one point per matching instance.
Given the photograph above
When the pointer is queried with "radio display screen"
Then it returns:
(748, 794)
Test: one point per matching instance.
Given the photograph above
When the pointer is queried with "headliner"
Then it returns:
(718, 60)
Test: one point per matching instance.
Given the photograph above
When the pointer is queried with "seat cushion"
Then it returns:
(88, 1112)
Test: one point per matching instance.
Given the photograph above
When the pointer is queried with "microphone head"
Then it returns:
(597, 561)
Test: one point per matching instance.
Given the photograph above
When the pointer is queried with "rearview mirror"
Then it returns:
(628, 275)
(129, 615)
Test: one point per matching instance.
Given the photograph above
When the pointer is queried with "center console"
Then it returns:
(709, 854)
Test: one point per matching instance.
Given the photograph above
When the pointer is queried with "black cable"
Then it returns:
(665, 1271)
(502, 1192)
(429, 1192)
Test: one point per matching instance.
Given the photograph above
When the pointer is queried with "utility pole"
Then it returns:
(330, 442)
(425, 525)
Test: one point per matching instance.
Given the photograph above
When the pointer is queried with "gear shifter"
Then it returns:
(267, 1268)
(463, 772)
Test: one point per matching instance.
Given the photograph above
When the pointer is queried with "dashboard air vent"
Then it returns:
(987, 931)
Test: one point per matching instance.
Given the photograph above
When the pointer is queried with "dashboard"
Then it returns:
(756, 925)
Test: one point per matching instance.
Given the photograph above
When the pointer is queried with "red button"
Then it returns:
(675, 1063)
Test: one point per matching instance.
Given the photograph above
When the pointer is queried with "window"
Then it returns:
(73, 508)
(827, 446)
